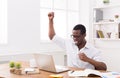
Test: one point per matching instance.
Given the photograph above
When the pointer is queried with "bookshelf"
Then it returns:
(105, 25)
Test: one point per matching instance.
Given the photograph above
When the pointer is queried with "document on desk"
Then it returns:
(111, 75)
(93, 73)
(31, 71)
(86, 72)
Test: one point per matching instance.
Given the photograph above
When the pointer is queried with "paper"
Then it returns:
(29, 69)
(85, 72)
(94, 73)
(111, 75)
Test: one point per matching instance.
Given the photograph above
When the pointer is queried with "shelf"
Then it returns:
(106, 6)
(101, 23)
(106, 39)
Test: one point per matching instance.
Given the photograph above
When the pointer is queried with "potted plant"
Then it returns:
(105, 1)
(12, 65)
(18, 68)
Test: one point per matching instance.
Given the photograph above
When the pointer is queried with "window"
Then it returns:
(66, 16)
(3, 21)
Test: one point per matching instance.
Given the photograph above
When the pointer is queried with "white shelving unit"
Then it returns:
(104, 21)
(109, 46)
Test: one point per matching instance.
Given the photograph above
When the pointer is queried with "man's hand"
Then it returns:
(51, 15)
(83, 57)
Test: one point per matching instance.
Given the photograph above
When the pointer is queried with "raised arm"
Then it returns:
(51, 27)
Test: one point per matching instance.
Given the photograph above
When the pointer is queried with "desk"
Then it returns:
(5, 72)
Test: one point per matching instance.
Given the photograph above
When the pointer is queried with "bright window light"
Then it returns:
(63, 20)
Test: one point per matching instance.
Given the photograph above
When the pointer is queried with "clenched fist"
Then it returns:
(51, 15)
(83, 57)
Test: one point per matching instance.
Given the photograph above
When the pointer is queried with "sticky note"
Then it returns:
(55, 76)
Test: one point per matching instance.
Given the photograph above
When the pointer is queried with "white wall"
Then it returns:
(112, 58)
(23, 24)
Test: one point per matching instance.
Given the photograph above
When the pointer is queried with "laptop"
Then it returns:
(46, 62)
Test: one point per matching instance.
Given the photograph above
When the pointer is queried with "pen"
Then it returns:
(72, 71)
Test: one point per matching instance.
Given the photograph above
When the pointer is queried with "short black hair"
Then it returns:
(81, 28)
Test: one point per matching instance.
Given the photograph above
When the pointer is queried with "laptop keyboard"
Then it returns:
(61, 68)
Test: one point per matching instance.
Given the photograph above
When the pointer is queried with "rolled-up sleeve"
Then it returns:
(99, 57)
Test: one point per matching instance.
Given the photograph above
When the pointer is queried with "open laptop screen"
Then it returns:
(45, 62)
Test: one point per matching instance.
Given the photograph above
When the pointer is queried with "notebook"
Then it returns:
(46, 62)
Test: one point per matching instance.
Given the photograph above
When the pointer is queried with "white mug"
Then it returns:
(32, 63)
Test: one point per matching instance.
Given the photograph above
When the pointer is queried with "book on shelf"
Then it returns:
(119, 30)
(100, 34)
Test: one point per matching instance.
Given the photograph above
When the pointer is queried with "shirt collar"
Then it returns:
(87, 45)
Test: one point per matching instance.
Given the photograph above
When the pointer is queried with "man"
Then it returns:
(79, 52)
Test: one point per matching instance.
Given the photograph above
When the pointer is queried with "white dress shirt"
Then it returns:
(72, 52)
